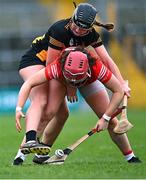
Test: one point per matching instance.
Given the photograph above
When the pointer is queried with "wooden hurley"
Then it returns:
(123, 125)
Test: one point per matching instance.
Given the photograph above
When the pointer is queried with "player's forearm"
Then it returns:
(52, 54)
(108, 61)
(23, 94)
(115, 70)
(115, 101)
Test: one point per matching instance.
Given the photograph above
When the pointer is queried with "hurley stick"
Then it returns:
(60, 160)
(123, 125)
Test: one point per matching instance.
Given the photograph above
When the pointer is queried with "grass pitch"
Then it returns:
(96, 158)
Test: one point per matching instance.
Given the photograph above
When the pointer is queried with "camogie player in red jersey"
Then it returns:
(77, 30)
(74, 68)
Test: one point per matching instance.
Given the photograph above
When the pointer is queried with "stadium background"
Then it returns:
(22, 21)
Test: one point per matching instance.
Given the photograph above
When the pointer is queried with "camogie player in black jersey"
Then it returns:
(47, 114)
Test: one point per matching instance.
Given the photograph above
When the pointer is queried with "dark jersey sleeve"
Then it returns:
(95, 38)
(58, 35)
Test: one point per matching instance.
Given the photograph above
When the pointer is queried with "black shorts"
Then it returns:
(30, 59)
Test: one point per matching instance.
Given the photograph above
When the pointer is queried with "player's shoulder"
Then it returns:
(95, 32)
(95, 38)
(61, 22)
(60, 26)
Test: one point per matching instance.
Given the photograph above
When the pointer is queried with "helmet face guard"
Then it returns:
(81, 24)
(76, 79)
(76, 69)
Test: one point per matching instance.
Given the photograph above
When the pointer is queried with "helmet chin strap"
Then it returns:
(79, 83)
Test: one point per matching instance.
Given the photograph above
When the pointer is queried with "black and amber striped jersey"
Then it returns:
(59, 36)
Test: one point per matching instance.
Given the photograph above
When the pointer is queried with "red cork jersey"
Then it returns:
(98, 72)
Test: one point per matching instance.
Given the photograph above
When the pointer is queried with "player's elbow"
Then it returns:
(31, 83)
(26, 87)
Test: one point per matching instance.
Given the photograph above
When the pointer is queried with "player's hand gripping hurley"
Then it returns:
(60, 160)
(123, 125)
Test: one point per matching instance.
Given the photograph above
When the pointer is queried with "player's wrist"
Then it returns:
(106, 117)
(18, 109)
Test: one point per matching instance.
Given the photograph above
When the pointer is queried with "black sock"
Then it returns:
(31, 136)
(38, 139)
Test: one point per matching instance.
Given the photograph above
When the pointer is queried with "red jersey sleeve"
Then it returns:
(101, 72)
(53, 70)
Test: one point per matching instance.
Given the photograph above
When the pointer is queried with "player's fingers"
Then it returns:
(94, 130)
(97, 128)
(100, 127)
(128, 94)
(68, 98)
(18, 126)
(74, 99)
(22, 115)
(71, 99)
(127, 90)
(18, 118)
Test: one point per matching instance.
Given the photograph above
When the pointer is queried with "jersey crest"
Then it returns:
(71, 42)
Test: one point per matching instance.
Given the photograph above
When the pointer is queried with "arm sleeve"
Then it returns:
(104, 74)
(47, 72)
(101, 72)
(53, 70)
(98, 41)
(56, 37)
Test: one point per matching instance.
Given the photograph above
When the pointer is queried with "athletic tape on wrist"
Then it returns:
(18, 109)
(107, 118)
